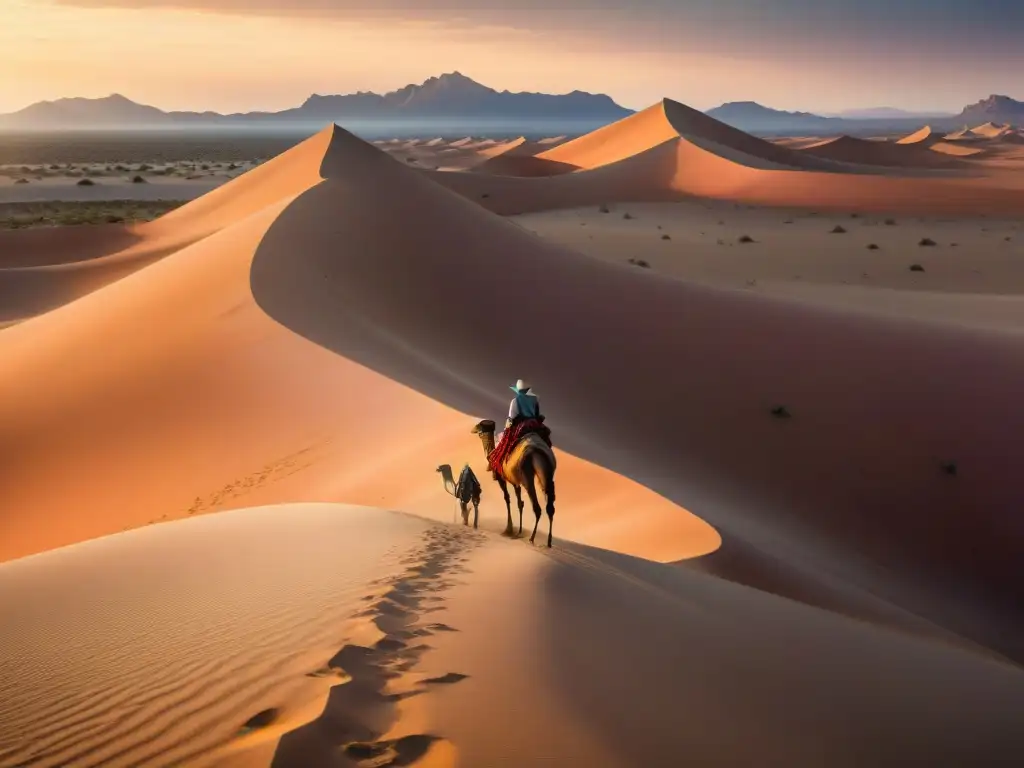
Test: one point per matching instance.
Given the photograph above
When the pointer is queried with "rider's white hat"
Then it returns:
(521, 385)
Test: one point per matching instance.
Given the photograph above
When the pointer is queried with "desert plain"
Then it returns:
(783, 382)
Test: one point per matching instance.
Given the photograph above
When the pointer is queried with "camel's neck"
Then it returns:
(487, 438)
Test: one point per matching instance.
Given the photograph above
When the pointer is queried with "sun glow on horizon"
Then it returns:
(178, 59)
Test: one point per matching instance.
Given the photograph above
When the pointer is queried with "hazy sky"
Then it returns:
(231, 55)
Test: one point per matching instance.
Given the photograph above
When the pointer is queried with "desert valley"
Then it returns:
(782, 375)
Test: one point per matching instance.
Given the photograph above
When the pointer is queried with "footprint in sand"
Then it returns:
(354, 713)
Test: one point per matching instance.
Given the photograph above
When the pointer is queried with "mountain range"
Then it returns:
(456, 99)
(452, 97)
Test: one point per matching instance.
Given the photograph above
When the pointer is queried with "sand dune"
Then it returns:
(679, 170)
(212, 335)
(847, 149)
(925, 136)
(346, 302)
(519, 158)
(965, 134)
(328, 326)
(957, 150)
(519, 146)
(672, 121)
(991, 130)
(377, 632)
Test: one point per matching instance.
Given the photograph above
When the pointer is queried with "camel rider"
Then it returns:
(524, 417)
(524, 405)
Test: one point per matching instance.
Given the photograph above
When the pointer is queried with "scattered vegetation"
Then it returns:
(916, 268)
(485, 195)
(603, 208)
(21, 181)
(872, 246)
(746, 239)
(665, 237)
(890, 222)
(838, 230)
(948, 468)
(86, 182)
(781, 412)
(628, 215)
(138, 180)
(57, 214)
(926, 241)
(640, 263)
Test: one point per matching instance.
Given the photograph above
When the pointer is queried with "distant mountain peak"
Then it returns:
(996, 108)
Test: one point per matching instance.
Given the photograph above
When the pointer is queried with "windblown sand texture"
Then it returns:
(787, 527)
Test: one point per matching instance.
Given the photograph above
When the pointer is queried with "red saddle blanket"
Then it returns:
(513, 435)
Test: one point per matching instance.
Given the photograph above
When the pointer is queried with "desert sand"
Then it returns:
(787, 525)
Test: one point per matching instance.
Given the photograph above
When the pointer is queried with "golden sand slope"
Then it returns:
(991, 130)
(303, 635)
(44, 269)
(926, 136)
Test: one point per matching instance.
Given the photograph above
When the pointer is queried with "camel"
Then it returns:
(466, 491)
(531, 461)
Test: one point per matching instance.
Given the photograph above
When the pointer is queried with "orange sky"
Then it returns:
(187, 59)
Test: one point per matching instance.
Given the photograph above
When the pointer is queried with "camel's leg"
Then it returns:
(476, 510)
(520, 503)
(549, 491)
(508, 506)
(532, 491)
(464, 509)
